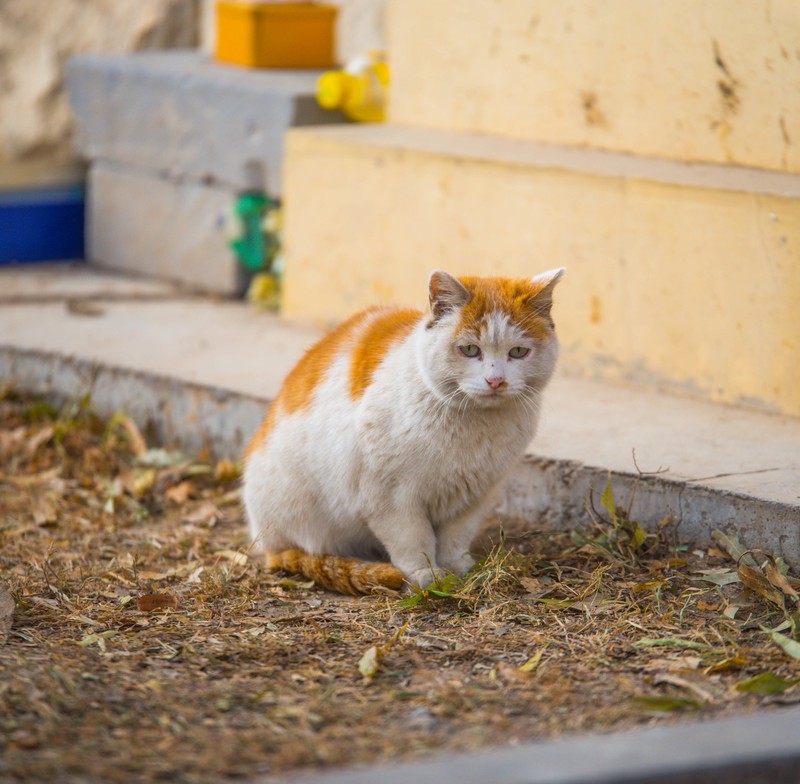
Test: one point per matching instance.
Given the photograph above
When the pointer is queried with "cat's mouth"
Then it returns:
(490, 396)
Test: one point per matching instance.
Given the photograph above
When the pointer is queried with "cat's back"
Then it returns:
(333, 375)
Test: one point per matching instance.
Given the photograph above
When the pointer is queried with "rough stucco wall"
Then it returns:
(37, 39)
(712, 81)
(360, 27)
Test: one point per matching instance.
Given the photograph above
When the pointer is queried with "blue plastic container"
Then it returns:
(42, 223)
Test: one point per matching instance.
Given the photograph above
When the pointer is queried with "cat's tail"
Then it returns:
(338, 573)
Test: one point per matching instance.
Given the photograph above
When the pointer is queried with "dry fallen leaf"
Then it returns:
(143, 482)
(779, 580)
(39, 439)
(78, 307)
(6, 613)
(240, 559)
(694, 683)
(43, 510)
(702, 604)
(181, 493)
(206, 514)
(368, 663)
(151, 602)
(736, 662)
(226, 470)
(759, 584)
(136, 440)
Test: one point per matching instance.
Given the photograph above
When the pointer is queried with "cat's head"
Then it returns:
(489, 340)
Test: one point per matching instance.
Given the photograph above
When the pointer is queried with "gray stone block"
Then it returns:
(150, 225)
(187, 117)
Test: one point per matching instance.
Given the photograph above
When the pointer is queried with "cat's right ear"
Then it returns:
(445, 293)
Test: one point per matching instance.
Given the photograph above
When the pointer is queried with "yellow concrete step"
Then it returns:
(685, 278)
(714, 81)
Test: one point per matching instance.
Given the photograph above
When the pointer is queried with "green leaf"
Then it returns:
(578, 539)
(789, 645)
(669, 642)
(721, 577)
(766, 683)
(161, 458)
(413, 600)
(638, 535)
(36, 412)
(781, 566)
(445, 586)
(553, 602)
(607, 501)
(600, 542)
(98, 638)
(665, 703)
(433, 593)
(197, 469)
(734, 548)
(533, 662)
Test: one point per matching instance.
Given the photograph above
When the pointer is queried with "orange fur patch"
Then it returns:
(298, 388)
(338, 573)
(374, 342)
(504, 295)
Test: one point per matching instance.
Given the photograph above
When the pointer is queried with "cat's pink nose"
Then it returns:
(495, 382)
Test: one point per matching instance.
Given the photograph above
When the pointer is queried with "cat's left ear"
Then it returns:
(544, 283)
(446, 293)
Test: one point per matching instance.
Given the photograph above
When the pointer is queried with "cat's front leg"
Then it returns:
(411, 544)
(455, 539)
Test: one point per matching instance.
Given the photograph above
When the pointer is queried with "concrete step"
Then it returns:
(149, 224)
(739, 750)
(173, 138)
(714, 84)
(680, 277)
(181, 115)
(201, 373)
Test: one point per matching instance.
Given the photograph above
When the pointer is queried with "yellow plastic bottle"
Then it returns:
(358, 90)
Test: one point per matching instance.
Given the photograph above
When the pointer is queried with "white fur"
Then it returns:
(409, 469)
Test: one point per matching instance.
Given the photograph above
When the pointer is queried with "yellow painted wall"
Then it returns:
(693, 80)
(686, 288)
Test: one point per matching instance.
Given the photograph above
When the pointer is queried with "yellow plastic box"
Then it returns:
(275, 35)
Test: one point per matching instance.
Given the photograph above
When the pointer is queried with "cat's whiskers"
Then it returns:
(530, 399)
(443, 406)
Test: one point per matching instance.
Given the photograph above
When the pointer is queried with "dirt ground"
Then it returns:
(143, 644)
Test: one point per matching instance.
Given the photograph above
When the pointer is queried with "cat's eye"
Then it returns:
(518, 352)
(470, 350)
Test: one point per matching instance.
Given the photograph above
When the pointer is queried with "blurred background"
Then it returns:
(36, 43)
(650, 148)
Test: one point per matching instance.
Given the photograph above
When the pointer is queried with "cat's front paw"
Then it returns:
(422, 578)
(460, 565)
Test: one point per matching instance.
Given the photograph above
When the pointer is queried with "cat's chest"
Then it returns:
(448, 455)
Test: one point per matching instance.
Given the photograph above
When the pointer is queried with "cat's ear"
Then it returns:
(446, 293)
(543, 284)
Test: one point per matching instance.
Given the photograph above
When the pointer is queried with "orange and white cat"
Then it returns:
(390, 437)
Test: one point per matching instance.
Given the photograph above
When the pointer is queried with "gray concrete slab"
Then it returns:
(147, 224)
(75, 280)
(757, 749)
(689, 441)
(218, 344)
(180, 414)
(182, 115)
